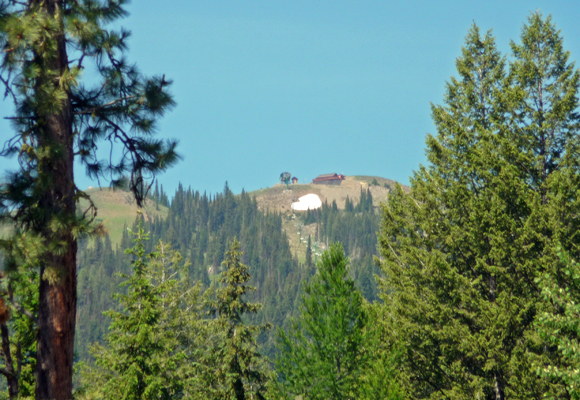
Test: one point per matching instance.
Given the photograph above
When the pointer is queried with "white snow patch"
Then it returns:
(310, 201)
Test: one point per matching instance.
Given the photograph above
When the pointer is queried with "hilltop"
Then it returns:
(117, 208)
(278, 198)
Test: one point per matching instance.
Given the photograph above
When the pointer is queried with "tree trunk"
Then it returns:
(57, 295)
(11, 376)
(56, 326)
(497, 388)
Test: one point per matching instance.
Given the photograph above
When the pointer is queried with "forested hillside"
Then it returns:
(474, 294)
(201, 227)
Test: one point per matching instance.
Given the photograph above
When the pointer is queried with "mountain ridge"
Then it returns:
(117, 209)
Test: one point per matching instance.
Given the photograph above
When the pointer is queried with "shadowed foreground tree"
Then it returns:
(46, 46)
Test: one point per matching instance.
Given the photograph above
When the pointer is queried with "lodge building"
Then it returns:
(328, 179)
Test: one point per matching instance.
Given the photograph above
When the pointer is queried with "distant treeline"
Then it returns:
(201, 227)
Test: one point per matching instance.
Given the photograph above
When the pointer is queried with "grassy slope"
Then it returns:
(114, 209)
(117, 208)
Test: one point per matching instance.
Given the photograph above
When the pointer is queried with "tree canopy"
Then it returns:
(46, 47)
(328, 349)
(463, 249)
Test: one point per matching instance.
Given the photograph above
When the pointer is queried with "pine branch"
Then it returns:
(111, 103)
(17, 305)
(6, 373)
(8, 89)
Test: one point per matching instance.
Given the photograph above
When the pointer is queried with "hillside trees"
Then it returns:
(356, 229)
(155, 338)
(462, 251)
(309, 263)
(201, 227)
(46, 45)
(168, 340)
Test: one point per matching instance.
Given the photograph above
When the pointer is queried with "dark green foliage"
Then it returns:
(59, 121)
(239, 370)
(366, 201)
(462, 251)
(348, 206)
(309, 263)
(154, 337)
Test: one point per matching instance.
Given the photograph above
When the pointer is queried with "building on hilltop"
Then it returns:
(328, 179)
(294, 180)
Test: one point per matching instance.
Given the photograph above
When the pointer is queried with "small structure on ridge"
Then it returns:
(328, 179)
(285, 178)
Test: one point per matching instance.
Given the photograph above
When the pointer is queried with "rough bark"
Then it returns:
(9, 373)
(497, 388)
(57, 295)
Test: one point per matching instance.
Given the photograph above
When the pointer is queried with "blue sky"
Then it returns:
(309, 87)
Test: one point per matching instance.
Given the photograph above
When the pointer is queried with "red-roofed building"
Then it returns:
(328, 179)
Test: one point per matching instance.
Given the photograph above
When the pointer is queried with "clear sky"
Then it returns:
(309, 87)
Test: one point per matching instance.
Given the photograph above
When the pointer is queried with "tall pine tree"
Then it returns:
(239, 371)
(46, 44)
(462, 250)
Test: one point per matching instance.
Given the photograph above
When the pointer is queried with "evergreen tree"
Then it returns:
(462, 250)
(46, 45)
(327, 350)
(18, 314)
(156, 196)
(559, 325)
(239, 370)
(309, 253)
(152, 342)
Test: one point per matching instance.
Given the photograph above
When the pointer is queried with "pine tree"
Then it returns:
(239, 370)
(309, 253)
(326, 352)
(462, 250)
(153, 341)
(46, 46)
